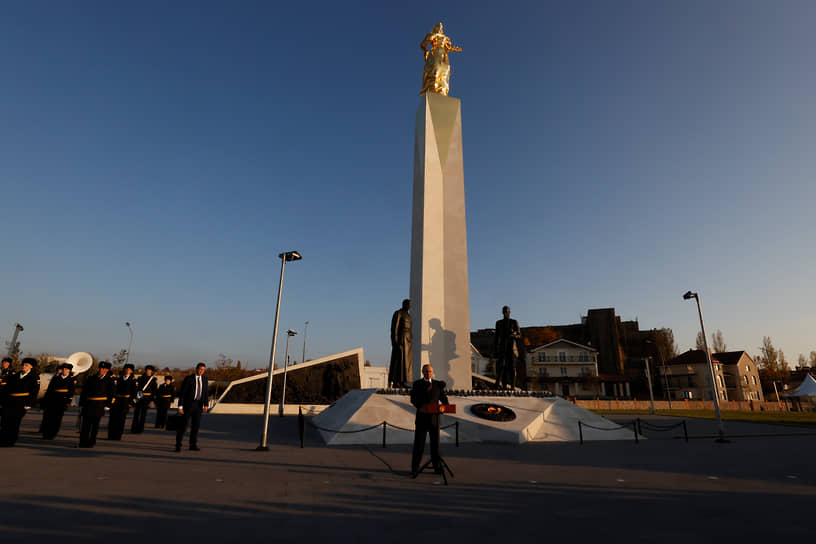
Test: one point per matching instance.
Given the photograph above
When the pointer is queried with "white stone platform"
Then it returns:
(550, 419)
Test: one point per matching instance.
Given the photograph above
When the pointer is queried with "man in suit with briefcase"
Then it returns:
(424, 392)
(192, 403)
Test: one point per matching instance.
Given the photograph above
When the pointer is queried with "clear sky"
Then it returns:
(155, 157)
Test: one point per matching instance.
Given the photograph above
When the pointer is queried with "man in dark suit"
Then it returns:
(192, 403)
(97, 394)
(424, 392)
(20, 394)
(506, 349)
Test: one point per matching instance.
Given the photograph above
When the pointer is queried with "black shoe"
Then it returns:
(195, 448)
(178, 448)
(414, 474)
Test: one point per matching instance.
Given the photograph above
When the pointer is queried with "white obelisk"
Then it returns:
(440, 305)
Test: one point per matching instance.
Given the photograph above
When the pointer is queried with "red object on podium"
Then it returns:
(439, 409)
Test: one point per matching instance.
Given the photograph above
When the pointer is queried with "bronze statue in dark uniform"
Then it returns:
(506, 349)
(400, 371)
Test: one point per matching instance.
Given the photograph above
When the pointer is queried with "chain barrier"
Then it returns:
(384, 424)
(581, 426)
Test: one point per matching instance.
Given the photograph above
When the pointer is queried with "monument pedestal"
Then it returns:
(439, 276)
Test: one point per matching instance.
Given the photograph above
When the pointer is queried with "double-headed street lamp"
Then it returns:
(130, 344)
(289, 334)
(284, 257)
(687, 296)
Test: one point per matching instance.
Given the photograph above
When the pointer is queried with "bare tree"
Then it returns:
(813, 359)
(665, 344)
(699, 343)
(118, 359)
(14, 350)
(718, 342)
(802, 361)
(768, 357)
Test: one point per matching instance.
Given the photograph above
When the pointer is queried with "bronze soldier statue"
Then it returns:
(400, 371)
(506, 349)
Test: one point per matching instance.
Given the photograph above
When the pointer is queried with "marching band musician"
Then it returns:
(124, 394)
(96, 395)
(145, 393)
(20, 394)
(57, 399)
(164, 398)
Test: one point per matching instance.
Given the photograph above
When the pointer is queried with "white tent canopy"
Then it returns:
(806, 389)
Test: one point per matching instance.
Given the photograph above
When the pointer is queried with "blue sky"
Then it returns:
(156, 157)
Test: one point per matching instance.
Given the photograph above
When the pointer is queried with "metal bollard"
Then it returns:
(639, 429)
(580, 433)
(685, 430)
(457, 434)
(634, 428)
(385, 424)
(301, 425)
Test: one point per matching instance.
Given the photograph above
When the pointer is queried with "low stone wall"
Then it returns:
(746, 406)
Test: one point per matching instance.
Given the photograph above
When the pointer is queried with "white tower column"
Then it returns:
(440, 305)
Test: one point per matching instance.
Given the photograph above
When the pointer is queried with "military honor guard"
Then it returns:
(96, 395)
(145, 393)
(20, 394)
(164, 398)
(5, 371)
(56, 400)
(123, 397)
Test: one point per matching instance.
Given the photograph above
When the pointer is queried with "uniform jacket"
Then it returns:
(60, 391)
(149, 391)
(124, 390)
(96, 387)
(19, 387)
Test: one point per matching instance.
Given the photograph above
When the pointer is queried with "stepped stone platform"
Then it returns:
(502, 417)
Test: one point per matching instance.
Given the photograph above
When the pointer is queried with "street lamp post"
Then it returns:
(649, 379)
(287, 256)
(305, 330)
(130, 344)
(687, 296)
(289, 334)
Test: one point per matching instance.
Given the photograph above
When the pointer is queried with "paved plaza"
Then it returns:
(660, 490)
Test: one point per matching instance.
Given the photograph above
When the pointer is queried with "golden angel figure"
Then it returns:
(436, 75)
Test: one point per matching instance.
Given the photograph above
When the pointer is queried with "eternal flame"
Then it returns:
(436, 75)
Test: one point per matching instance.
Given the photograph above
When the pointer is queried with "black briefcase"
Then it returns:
(174, 423)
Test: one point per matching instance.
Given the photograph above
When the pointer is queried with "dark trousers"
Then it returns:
(423, 428)
(139, 416)
(52, 420)
(118, 415)
(90, 427)
(505, 371)
(193, 415)
(161, 413)
(12, 416)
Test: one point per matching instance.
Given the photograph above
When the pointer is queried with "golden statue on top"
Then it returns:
(436, 75)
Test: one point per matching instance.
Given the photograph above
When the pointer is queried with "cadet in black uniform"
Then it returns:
(21, 391)
(96, 394)
(57, 399)
(124, 395)
(146, 389)
(164, 398)
(5, 371)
